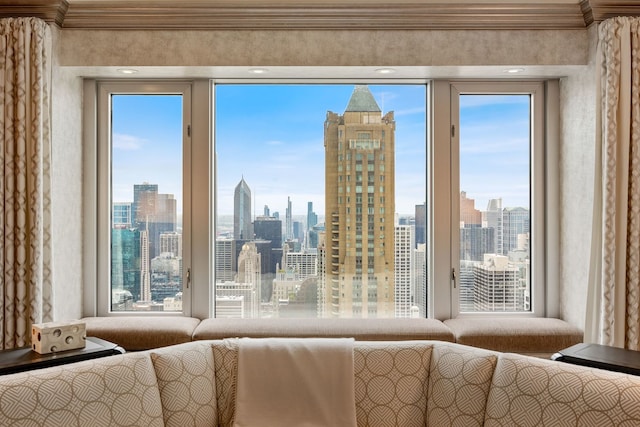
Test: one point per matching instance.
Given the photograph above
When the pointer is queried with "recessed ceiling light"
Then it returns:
(385, 70)
(258, 70)
(127, 70)
(514, 70)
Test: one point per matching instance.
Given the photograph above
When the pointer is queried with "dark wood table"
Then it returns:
(25, 359)
(601, 356)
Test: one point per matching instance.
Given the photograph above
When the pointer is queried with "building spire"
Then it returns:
(362, 101)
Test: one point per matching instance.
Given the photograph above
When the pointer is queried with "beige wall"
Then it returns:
(318, 48)
(577, 156)
(66, 190)
(432, 53)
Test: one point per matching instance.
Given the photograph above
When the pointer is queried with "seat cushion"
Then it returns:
(186, 379)
(533, 392)
(360, 329)
(391, 383)
(459, 383)
(134, 333)
(534, 336)
(111, 391)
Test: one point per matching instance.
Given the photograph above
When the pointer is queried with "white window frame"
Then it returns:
(97, 187)
(444, 194)
(199, 176)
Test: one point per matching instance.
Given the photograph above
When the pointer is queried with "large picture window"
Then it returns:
(350, 200)
(320, 200)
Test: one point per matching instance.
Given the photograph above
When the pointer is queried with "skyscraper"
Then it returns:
(493, 219)
(515, 222)
(311, 242)
(288, 232)
(268, 228)
(249, 274)
(242, 211)
(359, 208)
(125, 262)
(496, 285)
(121, 215)
(154, 213)
(419, 292)
(421, 224)
(404, 269)
(145, 267)
(312, 218)
(225, 260)
(303, 263)
(469, 215)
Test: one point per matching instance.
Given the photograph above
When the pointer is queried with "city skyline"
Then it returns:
(281, 155)
(372, 159)
(285, 144)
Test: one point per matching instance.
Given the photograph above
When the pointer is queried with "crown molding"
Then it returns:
(321, 15)
(51, 11)
(599, 10)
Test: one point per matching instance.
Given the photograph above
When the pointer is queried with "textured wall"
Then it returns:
(306, 48)
(66, 191)
(577, 156)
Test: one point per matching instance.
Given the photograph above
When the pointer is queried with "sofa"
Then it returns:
(396, 383)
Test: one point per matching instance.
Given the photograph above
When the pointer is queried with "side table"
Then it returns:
(601, 356)
(25, 359)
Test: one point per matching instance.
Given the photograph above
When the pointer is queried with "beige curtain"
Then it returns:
(25, 158)
(614, 288)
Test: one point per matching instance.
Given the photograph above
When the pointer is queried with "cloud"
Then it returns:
(127, 142)
(274, 142)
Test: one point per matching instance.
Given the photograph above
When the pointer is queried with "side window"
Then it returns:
(497, 136)
(144, 140)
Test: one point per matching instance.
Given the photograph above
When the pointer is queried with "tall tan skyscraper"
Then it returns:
(359, 209)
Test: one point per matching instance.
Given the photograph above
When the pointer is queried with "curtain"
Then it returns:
(614, 288)
(25, 159)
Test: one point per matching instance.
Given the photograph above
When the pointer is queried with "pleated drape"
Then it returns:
(614, 288)
(25, 181)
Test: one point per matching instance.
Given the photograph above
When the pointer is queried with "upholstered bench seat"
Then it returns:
(134, 333)
(540, 337)
(360, 329)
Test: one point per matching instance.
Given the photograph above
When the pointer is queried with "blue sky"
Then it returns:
(273, 136)
(494, 149)
(146, 144)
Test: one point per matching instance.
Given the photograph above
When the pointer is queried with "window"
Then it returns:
(497, 156)
(289, 153)
(142, 182)
(251, 191)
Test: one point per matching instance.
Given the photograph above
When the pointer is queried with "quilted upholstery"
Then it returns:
(397, 383)
(534, 392)
(113, 391)
(186, 379)
(391, 383)
(459, 382)
(225, 356)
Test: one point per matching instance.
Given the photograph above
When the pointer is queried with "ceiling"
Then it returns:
(321, 14)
